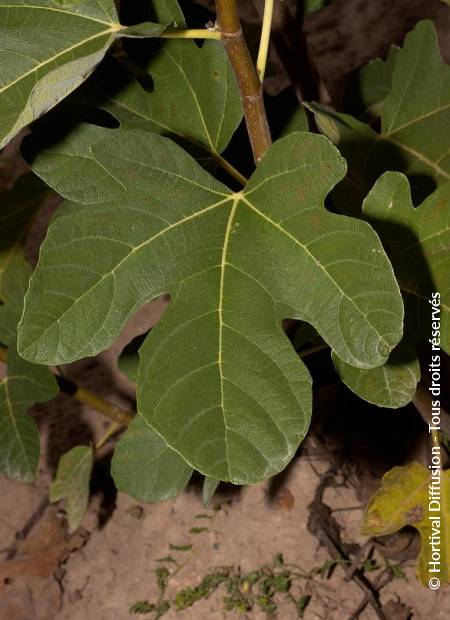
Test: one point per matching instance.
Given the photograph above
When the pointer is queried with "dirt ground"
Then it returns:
(109, 564)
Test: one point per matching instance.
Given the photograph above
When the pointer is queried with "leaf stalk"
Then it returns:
(193, 33)
(265, 39)
(232, 171)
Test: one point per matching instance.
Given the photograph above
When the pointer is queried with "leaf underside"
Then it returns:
(218, 379)
(39, 69)
(193, 97)
(48, 49)
(418, 239)
(415, 122)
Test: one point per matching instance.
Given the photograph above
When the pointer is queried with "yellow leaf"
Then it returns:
(416, 496)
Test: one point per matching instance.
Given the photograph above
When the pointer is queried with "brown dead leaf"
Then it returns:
(41, 552)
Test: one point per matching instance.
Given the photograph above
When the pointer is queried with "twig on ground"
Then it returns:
(325, 528)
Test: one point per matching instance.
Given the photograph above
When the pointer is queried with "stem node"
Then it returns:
(249, 84)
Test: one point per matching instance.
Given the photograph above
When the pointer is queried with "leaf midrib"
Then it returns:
(195, 98)
(209, 149)
(223, 265)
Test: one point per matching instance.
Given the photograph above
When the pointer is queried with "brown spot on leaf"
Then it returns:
(415, 514)
(301, 194)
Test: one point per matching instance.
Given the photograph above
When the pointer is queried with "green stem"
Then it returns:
(199, 33)
(249, 84)
(87, 397)
(265, 39)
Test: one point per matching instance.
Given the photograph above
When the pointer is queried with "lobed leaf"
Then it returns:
(236, 402)
(391, 385)
(415, 122)
(418, 241)
(48, 48)
(194, 96)
(72, 483)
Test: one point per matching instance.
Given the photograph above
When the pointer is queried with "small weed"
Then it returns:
(263, 589)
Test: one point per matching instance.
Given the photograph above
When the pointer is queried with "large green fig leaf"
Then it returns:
(48, 48)
(72, 483)
(194, 96)
(415, 124)
(24, 384)
(218, 378)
